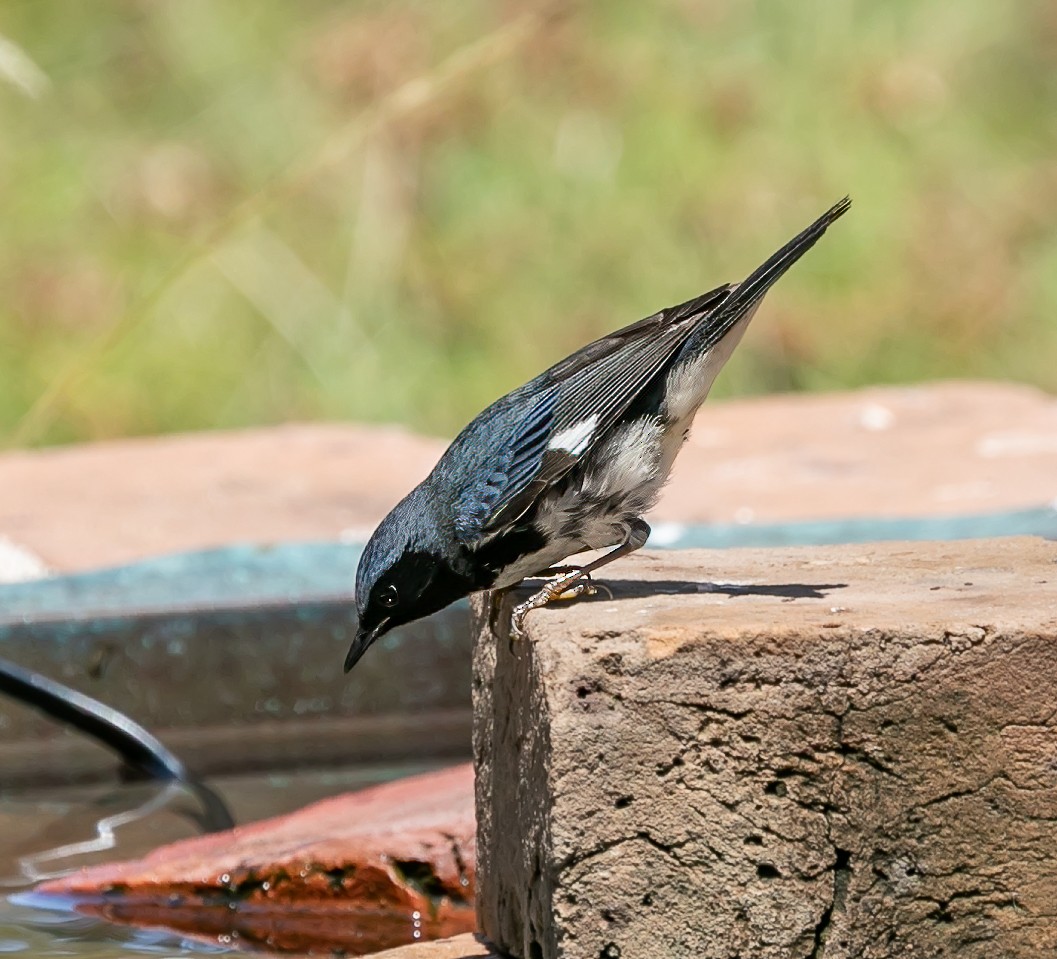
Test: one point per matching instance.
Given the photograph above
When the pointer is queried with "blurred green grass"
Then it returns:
(219, 213)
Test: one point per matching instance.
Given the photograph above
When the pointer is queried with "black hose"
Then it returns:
(132, 743)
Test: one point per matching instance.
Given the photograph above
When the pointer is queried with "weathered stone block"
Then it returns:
(838, 751)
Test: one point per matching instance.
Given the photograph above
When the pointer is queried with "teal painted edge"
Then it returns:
(1029, 522)
(231, 576)
(295, 573)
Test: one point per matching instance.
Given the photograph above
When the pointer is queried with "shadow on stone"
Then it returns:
(642, 588)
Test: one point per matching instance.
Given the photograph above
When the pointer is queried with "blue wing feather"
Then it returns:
(599, 381)
(511, 469)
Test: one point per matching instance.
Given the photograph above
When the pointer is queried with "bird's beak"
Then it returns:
(363, 640)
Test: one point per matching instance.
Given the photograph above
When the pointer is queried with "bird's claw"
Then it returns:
(569, 584)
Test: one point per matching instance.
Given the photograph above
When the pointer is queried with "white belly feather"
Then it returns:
(632, 465)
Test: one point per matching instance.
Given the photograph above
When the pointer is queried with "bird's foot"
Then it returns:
(569, 584)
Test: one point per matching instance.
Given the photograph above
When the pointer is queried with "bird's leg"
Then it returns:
(577, 579)
(588, 588)
(638, 533)
(557, 571)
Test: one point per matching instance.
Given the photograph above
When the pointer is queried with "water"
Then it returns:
(46, 833)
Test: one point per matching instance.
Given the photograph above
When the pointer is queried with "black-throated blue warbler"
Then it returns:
(568, 462)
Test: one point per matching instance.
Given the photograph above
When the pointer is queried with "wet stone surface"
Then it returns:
(357, 873)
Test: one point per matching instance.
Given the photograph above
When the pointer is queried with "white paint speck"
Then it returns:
(876, 418)
(18, 564)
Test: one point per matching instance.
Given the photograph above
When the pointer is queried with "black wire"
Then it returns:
(134, 744)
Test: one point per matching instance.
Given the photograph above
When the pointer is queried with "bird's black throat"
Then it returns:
(500, 552)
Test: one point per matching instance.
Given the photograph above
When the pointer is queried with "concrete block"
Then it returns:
(831, 751)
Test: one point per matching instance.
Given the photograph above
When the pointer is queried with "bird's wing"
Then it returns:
(551, 423)
(572, 406)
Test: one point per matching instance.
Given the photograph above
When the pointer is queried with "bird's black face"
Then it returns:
(417, 584)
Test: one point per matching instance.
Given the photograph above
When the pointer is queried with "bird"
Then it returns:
(566, 463)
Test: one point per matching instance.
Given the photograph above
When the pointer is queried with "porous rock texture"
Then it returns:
(821, 752)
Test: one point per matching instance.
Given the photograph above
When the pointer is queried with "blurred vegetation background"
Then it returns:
(228, 212)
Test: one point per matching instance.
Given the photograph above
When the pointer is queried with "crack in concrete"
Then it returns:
(957, 793)
(842, 872)
(985, 897)
(579, 858)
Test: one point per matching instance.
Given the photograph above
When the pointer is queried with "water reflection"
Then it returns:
(49, 832)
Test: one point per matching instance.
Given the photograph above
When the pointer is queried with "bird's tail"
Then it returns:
(748, 294)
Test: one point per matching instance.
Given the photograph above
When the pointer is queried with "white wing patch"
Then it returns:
(575, 438)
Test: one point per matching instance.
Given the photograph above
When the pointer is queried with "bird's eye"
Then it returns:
(389, 596)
